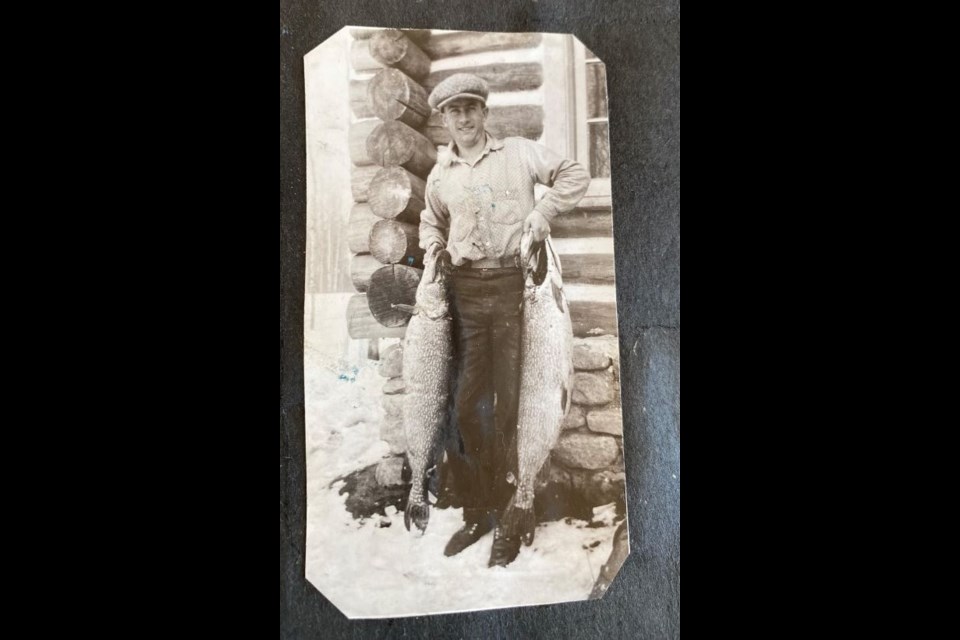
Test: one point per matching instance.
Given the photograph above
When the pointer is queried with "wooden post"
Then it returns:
(525, 121)
(393, 95)
(396, 194)
(394, 143)
(359, 226)
(394, 242)
(360, 178)
(393, 49)
(359, 132)
(362, 267)
(389, 285)
(511, 76)
(361, 323)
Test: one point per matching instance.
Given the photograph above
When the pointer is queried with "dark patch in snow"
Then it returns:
(366, 498)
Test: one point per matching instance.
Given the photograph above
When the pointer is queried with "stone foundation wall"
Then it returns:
(588, 458)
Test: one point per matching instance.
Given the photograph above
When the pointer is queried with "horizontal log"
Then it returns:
(361, 324)
(358, 228)
(393, 242)
(597, 195)
(360, 178)
(358, 99)
(390, 285)
(363, 33)
(516, 76)
(586, 260)
(360, 58)
(593, 318)
(588, 268)
(445, 45)
(392, 48)
(362, 267)
(522, 76)
(593, 309)
(583, 223)
(393, 95)
(396, 194)
(417, 36)
(359, 134)
(525, 121)
(602, 202)
(393, 144)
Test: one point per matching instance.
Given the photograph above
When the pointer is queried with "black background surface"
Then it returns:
(640, 44)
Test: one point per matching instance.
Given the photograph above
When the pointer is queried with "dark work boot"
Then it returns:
(505, 550)
(476, 525)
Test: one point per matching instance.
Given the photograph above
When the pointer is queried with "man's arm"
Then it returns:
(434, 220)
(568, 180)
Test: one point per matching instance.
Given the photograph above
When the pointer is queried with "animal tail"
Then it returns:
(418, 513)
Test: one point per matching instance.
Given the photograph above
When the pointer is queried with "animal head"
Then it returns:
(543, 276)
(432, 291)
(539, 264)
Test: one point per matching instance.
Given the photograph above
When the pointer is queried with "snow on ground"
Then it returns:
(372, 571)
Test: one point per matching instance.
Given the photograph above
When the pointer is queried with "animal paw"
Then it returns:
(519, 522)
(418, 513)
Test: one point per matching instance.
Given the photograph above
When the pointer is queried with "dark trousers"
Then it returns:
(483, 459)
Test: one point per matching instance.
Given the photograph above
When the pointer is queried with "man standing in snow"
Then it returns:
(479, 200)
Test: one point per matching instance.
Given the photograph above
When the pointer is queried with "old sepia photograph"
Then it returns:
(464, 433)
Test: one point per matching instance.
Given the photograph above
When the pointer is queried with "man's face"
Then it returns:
(464, 119)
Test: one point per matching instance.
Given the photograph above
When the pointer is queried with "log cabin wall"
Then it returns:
(393, 138)
(392, 72)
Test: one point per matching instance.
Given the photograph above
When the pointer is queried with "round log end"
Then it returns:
(389, 46)
(389, 285)
(390, 241)
(394, 242)
(388, 94)
(390, 192)
(391, 144)
(393, 95)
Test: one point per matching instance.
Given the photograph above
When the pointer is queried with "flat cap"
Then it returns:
(459, 85)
